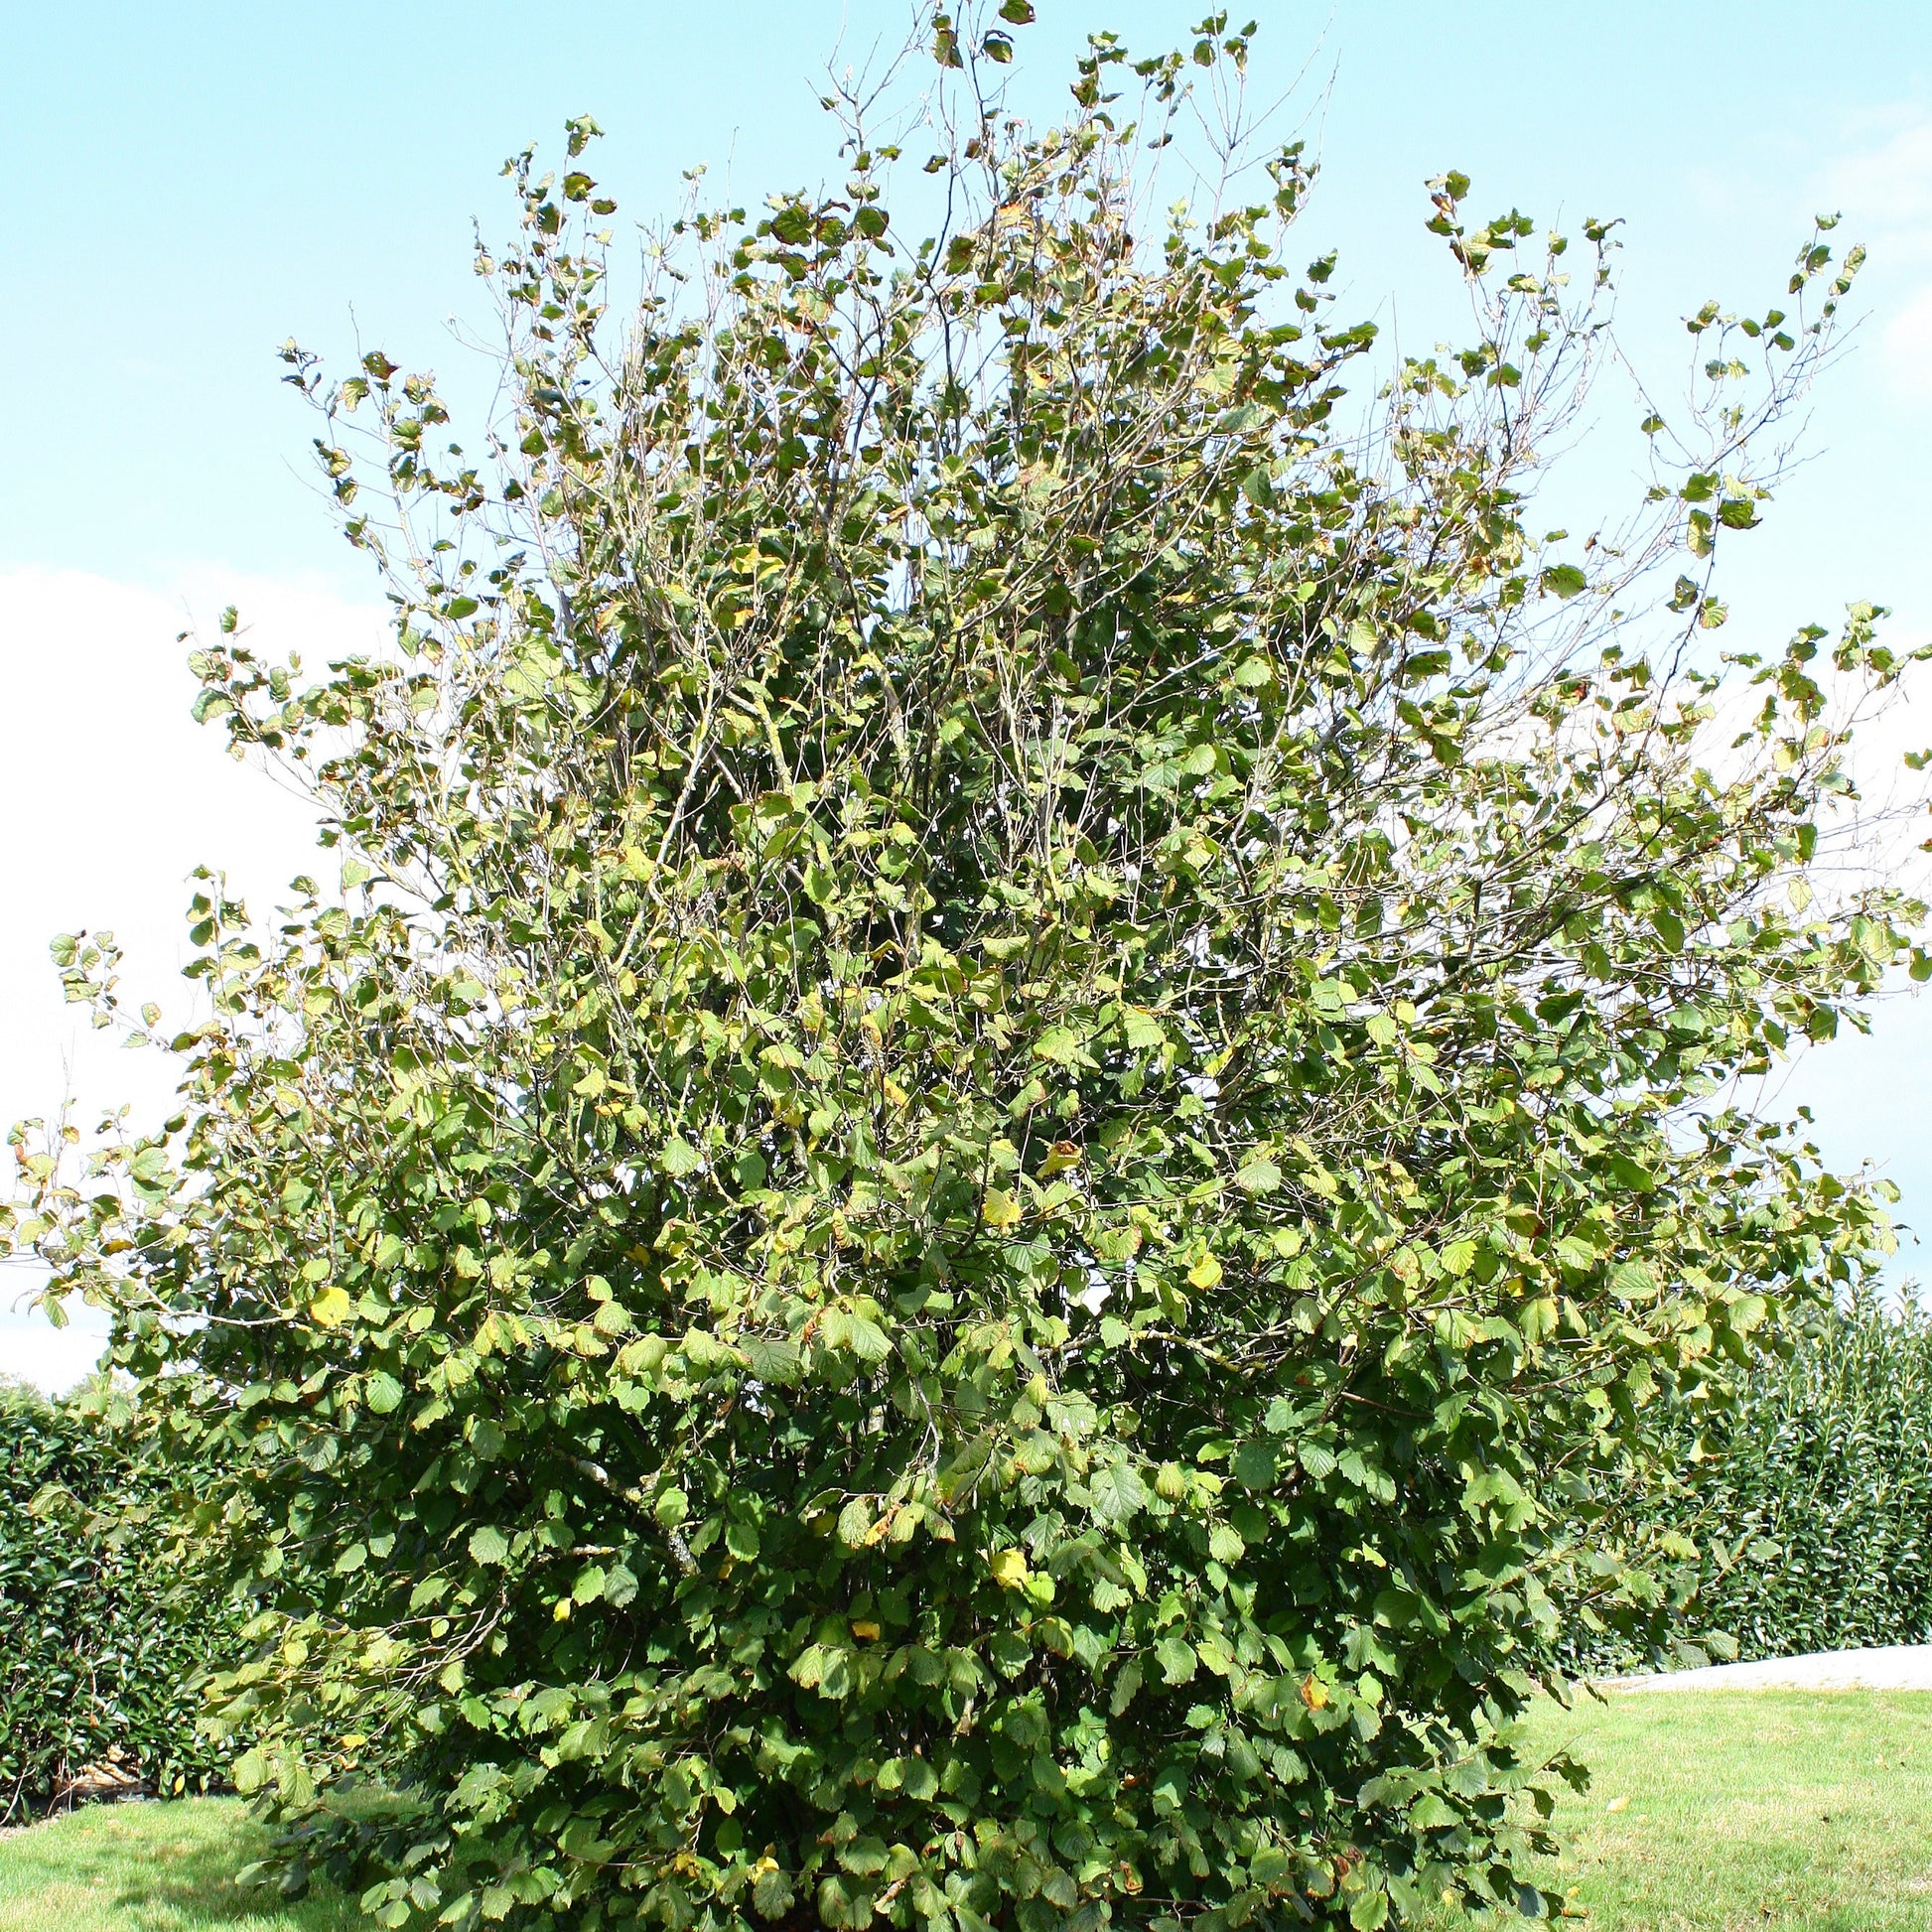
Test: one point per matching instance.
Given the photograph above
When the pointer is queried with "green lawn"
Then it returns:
(1713, 1812)
(1710, 1812)
(150, 1868)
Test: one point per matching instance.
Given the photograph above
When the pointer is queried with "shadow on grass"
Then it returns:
(154, 1868)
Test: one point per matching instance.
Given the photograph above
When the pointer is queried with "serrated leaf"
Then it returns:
(331, 1308)
(771, 1891)
(1000, 1210)
(1176, 1656)
(774, 1361)
(680, 1158)
(488, 1546)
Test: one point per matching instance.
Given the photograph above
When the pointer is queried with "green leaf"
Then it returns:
(383, 1392)
(680, 1158)
(1176, 1656)
(488, 1546)
(775, 1362)
(1117, 1493)
(771, 1892)
(1369, 1911)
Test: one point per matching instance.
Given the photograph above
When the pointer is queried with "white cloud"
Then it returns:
(53, 1359)
(1884, 190)
(1884, 194)
(1907, 348)
(110, 795)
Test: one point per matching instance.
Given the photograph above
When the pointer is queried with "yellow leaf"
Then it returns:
(329, 1307)
(1009, 1569)
(865, 1630)
(1060, 1156)
(1314, 1693)
(1205, 1272)
(999, 1208)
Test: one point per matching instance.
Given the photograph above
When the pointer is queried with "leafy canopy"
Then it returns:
(1023, 1086)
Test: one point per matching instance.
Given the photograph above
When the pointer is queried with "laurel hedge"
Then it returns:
(1815, 1506)
(1796, 1514)
(107, 1622)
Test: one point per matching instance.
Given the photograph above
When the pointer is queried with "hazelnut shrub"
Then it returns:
(1028, 1082)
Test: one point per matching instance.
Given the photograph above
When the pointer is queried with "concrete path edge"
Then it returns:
(1897, 1667)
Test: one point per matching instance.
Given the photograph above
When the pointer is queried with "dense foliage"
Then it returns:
(108, 1625)
(1021, 1081)
(1809, 1495)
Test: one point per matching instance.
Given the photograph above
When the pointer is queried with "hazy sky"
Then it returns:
(194, 184)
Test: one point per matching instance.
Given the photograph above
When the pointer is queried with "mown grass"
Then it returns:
(1709, 1813)
(151, 1869)
(1718, 1811)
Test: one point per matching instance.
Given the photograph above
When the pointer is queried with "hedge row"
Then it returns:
(106, 1627)
(1815, 1510)
(1798, 1516)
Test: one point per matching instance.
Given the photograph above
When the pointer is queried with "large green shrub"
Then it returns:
(1021, 1082)
(107, 1627)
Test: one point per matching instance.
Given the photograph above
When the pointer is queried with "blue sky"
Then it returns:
(194, 184)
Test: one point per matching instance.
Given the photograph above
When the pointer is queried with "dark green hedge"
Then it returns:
(1815, 1512)
(106, 1627)
(1795, 1517)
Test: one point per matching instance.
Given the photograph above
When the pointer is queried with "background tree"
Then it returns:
(1026, 1075)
